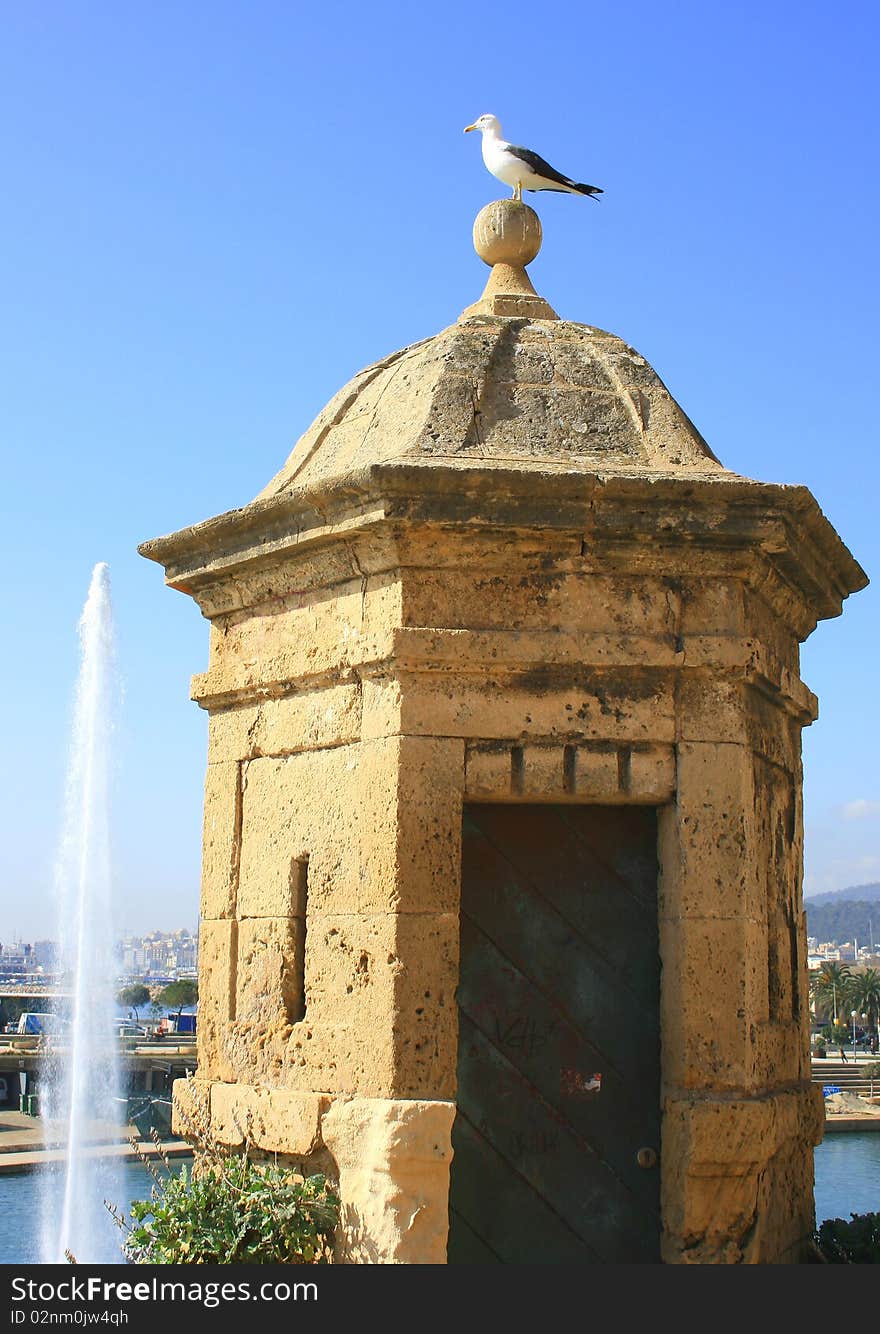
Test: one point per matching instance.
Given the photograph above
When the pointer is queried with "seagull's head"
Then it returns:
(484, 123)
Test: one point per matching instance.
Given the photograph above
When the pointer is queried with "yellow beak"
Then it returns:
(469, 127)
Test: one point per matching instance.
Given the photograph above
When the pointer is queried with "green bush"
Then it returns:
(850, 1243)
(237, 1212)
(231, 1209)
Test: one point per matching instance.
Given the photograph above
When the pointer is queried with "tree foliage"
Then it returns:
(178, 994)
(134, 996)
(831, 988)
(853, 1242)
(865, 995)
(839, 922)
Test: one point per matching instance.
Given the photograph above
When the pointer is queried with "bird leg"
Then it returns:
(517, 192)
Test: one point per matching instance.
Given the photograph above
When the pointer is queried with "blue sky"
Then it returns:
(215, 213)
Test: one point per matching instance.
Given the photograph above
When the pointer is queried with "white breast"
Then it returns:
(501, 163)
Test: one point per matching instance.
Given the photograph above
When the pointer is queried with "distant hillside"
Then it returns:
(844, 920)
(855, 894)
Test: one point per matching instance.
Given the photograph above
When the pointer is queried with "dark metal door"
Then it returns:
(557, 1129)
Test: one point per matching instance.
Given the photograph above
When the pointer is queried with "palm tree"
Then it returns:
(873, 1072)
(865, 996)
(831, 988)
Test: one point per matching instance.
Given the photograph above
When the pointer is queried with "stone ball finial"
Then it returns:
(507, 237)
(507, 232)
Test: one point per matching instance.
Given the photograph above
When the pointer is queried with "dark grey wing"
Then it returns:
(538, 165)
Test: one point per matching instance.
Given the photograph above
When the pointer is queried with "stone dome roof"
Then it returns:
(495, 389)
(508, 383)
(516, 417)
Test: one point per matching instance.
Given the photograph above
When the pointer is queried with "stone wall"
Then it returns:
(359, 691)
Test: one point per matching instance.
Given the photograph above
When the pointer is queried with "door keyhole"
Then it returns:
(647, 1157)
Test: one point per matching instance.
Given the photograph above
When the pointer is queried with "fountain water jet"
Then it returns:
(85, 1086)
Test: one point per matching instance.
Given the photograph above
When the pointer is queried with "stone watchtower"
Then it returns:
(501, 903)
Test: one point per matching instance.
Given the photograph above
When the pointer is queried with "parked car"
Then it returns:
(126, 1029)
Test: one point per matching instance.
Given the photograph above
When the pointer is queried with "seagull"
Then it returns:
(520, 167)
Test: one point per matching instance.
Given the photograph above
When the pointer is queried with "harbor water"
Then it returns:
(23, 1194)
(847, 1182)
(847, 1175)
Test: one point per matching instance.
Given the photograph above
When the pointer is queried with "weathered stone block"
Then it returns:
(712, 708)
(652, 776)
(781, 1052)
(276, 834)
(302, 808)
(487, 770)
(351, 966)
(272, 1119)
(595, 773)
(336, 1059)
(307, 1057)
(382, 707)
(717, 1158)
(268, 991)
(714, 980)
(709, 853)
(409, 820)
(221, 840)
(301, 636)
(540, 773)
(190, 1107)
(710, 607)
(601, 772)
(425, 1015)
(218, 954)
(773, 733)
(393, 1160)
(764, 623)
(538, 703)
(312, 720)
